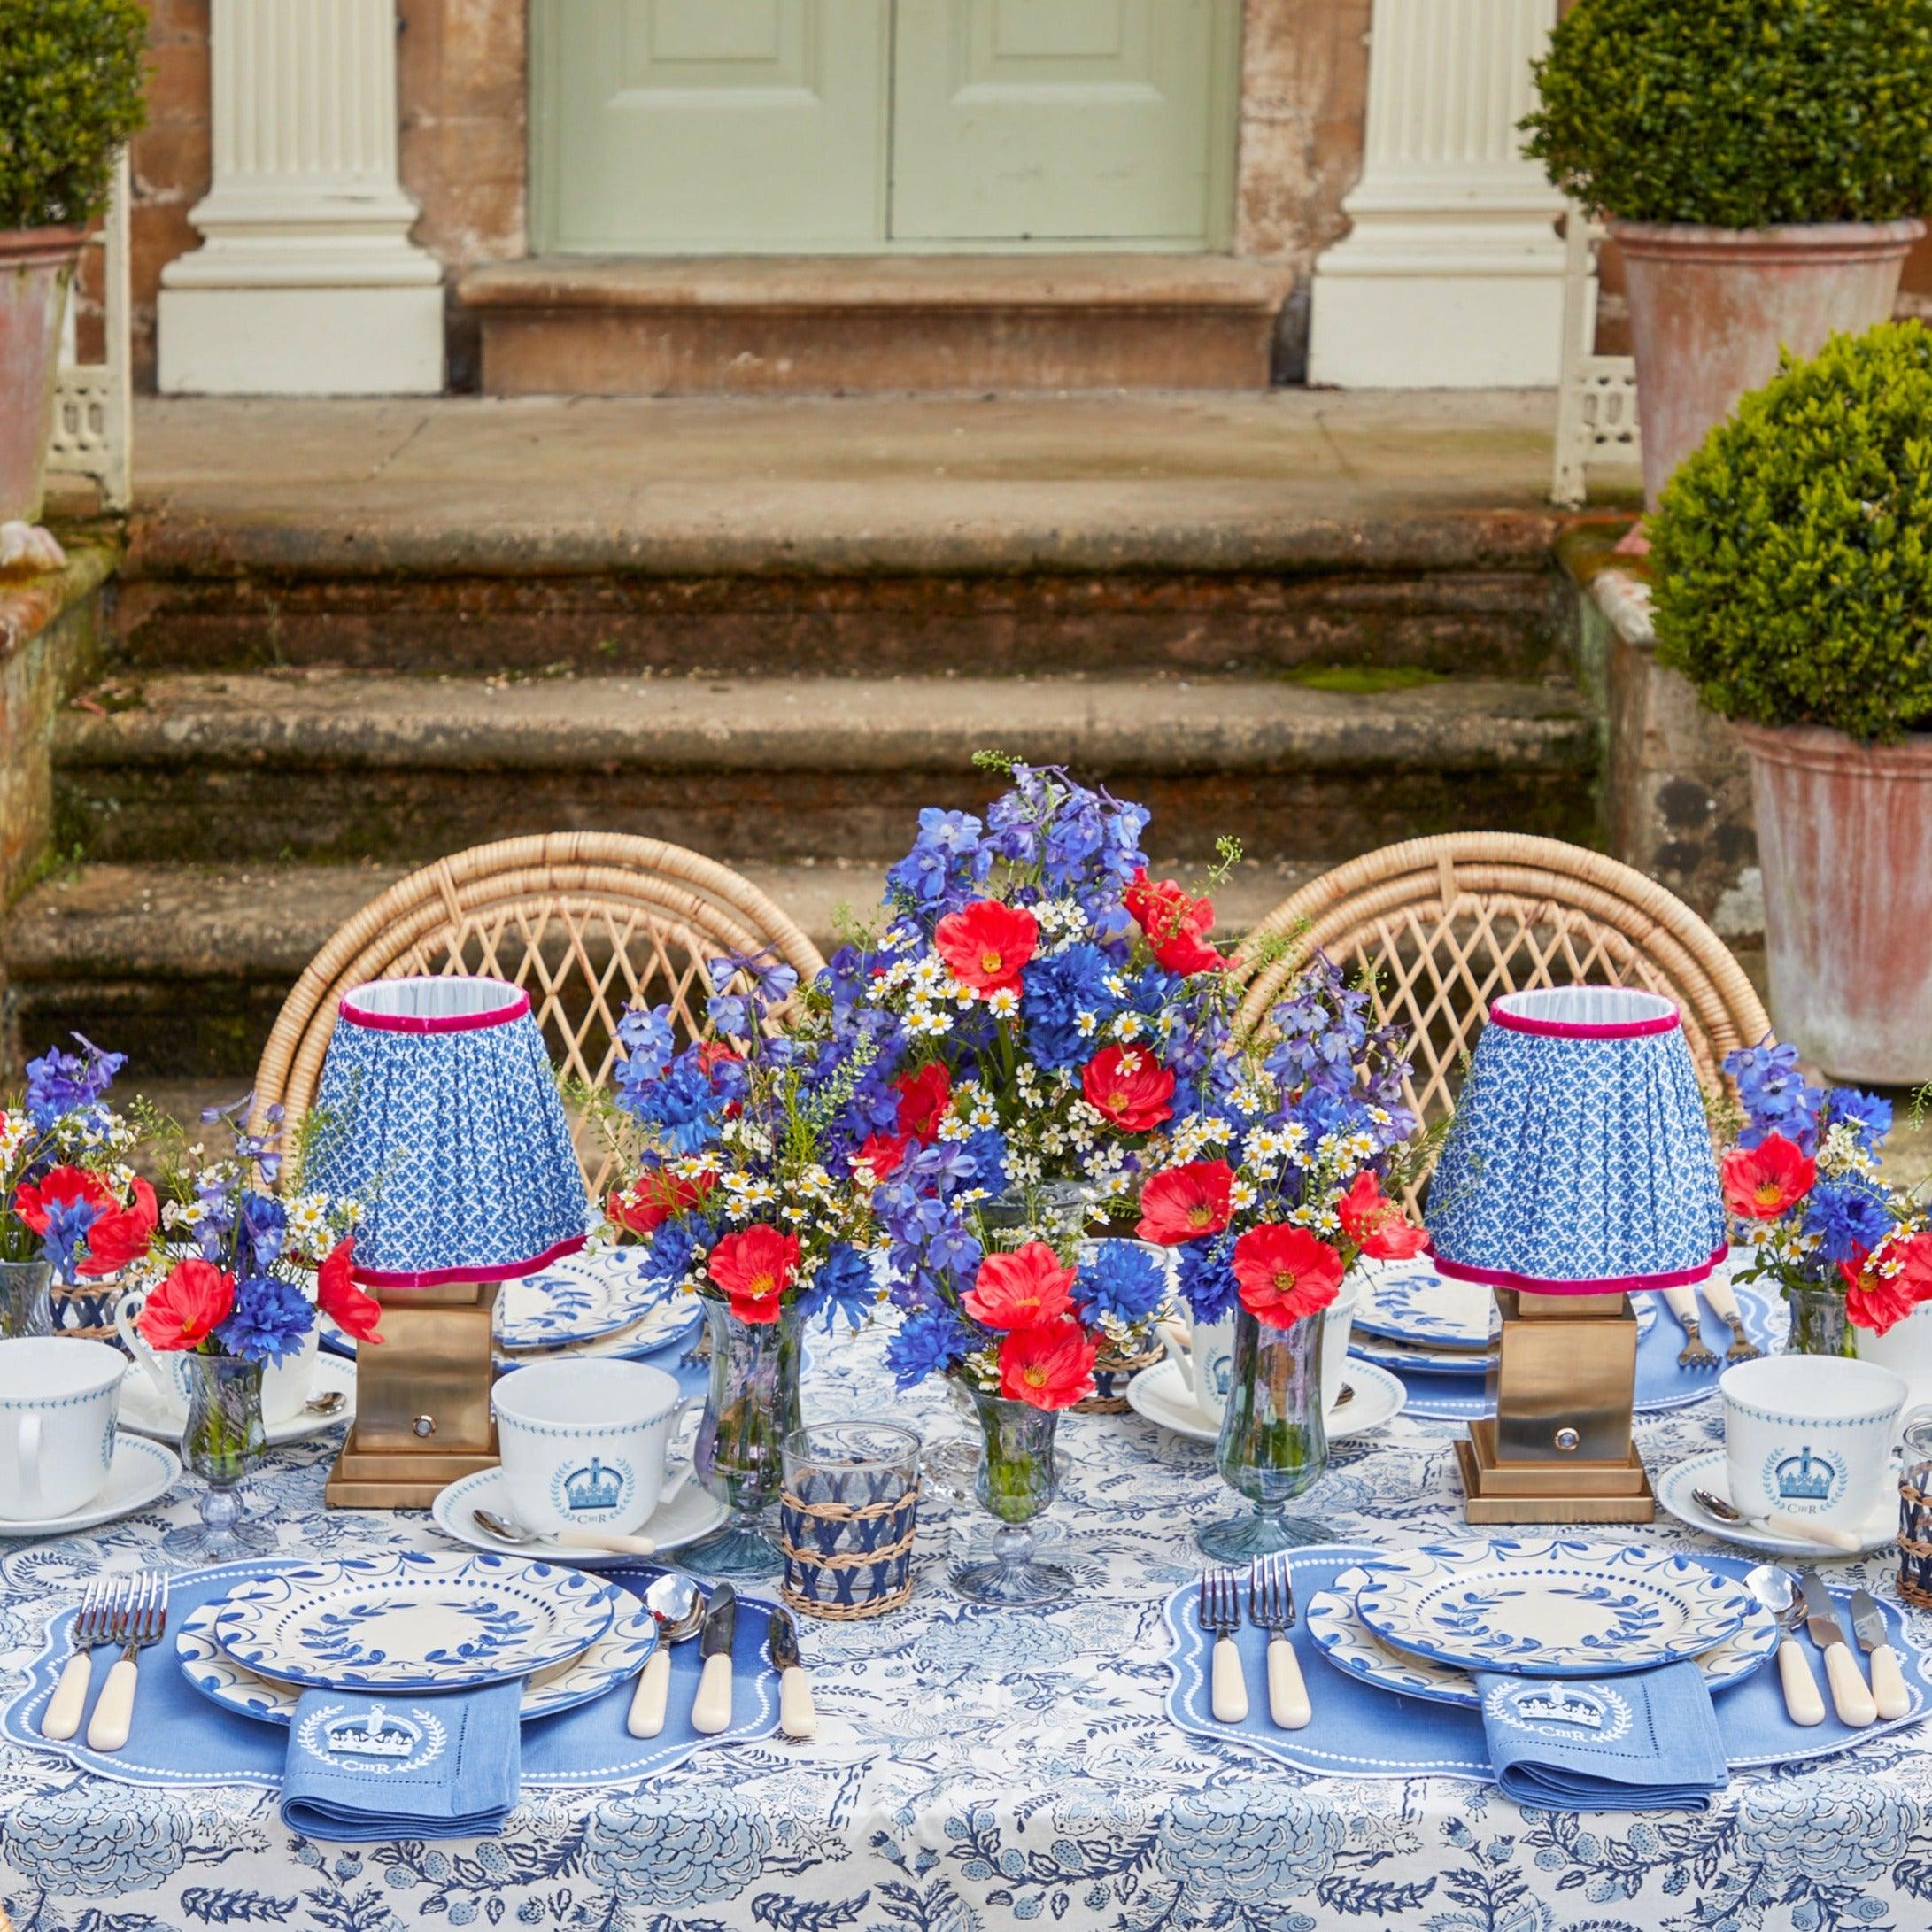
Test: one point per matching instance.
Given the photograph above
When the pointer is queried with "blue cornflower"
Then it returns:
(1058, 989)
(844, 1286)
(676, 1245)
(1122, 1279)
(985, 1148)
(1849, 1216)
(65, 1238)
(686, 1104)
(271, 1319)
(1870, 1115)
(1207, 1278)
(928, 1340)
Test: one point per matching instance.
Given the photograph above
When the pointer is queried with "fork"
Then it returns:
(92, 1623)
(1221, 1613)
(1695, 1353)
(141, 1618)
(1717, 1291)
(1270, 1607)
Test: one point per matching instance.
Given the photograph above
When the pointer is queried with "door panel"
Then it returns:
(710, 125)
(1060, 119)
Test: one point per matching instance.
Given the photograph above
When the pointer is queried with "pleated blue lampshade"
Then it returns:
(1580, 1162)
(441, 1114)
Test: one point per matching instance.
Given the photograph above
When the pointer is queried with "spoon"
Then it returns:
(679, 1604)
(506, 1529)
(1794, 1527)
(1772, 1586)
(325, 1404)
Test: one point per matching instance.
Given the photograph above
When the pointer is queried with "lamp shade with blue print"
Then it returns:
(441, 1114)
(1579, 1160)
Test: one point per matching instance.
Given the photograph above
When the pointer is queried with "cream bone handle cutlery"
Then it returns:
(1270, 1606)
(140, 1620)
(711, 1708)
(1889, 1691)
(1221, 1613)
(1850, 1698)
(93, 1623)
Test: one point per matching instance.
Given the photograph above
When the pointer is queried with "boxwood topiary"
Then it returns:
(1739, 114)
(1793, 551)
(70, 96)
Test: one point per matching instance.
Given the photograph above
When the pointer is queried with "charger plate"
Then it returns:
(1550, 1606)
(581, 1298)
(1407, 1300)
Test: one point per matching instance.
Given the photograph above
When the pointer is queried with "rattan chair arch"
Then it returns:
(1444, 925)
(586, 922)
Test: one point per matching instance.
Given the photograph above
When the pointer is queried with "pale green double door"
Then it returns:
(669, 127)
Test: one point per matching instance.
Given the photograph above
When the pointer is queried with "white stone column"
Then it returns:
(1452, 277)
(307, 283)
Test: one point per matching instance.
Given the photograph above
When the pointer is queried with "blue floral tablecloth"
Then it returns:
(978, 1769)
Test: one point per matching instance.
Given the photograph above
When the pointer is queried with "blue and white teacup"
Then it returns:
(1810, 1435)
(585, 1444)
(1207, 1360)
(59, 1403)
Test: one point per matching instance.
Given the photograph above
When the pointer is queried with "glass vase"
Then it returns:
(26, 1300)
(1272, 1444)
(751, 1407)
(221, 1442)
(1019, 1479)
(1818, 1322)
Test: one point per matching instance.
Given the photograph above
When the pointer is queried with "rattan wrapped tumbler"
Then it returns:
(847, 1517)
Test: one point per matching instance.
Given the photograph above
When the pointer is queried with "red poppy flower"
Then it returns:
(121, 1234)
(61, 1185)
(352, 1310)
(987, 946)
(1876, 1300)
(1176, 925)
(188, 1305)
(1375, 1224)
(754, 1267)
(654, 1197)
(926, 1098)
(1129, 1086)
(883, 1153)
(1183, 1203)
(1285, 1273)
(1020, 1290)
(1761, 1182)
(1050, 1367)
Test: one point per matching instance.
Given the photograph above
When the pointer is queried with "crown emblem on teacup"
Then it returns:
(1561, 1707)
(374, 1733)
(1804, 1478)
(595, 1487)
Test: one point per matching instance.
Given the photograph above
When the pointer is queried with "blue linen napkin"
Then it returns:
(406, 1766)
(1644, 1742)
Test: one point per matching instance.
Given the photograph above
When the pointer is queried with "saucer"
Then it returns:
(141, 1473)
(1161, 1395)
(692, 1513)
(1706, 1471)
(143, 1411)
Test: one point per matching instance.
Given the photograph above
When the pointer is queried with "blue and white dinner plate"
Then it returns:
(1549, 1607)
(1411, 1358)
(1348, 1644)
(581, 1298)
(618, 1654)
(1407, 1300)
(408, 1621)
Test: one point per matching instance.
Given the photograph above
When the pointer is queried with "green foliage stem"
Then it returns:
(71, 80)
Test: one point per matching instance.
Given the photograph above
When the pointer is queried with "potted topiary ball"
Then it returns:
(1793, 554)
(70, 96)
(1763, 164)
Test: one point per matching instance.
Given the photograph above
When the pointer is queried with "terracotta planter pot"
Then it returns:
(1844, 834)
(1710, 308)
(36, 266)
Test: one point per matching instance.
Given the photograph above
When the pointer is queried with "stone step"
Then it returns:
(843, 324)
(341, 765)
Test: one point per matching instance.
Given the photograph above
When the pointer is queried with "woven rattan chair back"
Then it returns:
(588, 923)
(1442, 925)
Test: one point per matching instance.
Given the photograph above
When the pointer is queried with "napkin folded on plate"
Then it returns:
(1645, 1742)
(406, 1766)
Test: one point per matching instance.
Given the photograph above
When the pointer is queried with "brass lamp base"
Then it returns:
(1499, 1492)
(369, 1479)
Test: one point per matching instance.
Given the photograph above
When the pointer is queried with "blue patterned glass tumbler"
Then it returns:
(848, 1516)
(1272, 1445)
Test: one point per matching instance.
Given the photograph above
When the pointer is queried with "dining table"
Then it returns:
(979, 1768)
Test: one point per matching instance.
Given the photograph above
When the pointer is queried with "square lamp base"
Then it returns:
(1495, 1491)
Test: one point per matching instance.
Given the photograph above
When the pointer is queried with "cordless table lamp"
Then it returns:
(1577, 1172)
(439, 1111)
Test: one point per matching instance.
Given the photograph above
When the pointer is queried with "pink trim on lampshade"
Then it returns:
(437, 1022)
(1505, 1278)
(1518, 1023)
(436, 1278)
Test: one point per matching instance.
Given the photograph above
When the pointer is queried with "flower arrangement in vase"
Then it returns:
(1813, 1217)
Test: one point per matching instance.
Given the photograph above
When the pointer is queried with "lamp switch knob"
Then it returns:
(424, 1424)
(1567, 1438)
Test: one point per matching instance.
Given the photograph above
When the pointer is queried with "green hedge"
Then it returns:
(1739, 114)
(70, 96)
(1793, 551)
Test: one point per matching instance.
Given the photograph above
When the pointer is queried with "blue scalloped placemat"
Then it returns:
(180, 1738)
(1361, 1732)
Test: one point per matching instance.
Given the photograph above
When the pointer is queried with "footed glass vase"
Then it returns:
(26, 1306)
(221, 1442)
(1818, 1322)
(750, 1409)
(1272, 1444)
(1017, 1480)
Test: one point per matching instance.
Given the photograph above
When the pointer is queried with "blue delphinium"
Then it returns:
(271, 1319)
(1122, 1280)
(1849, 1216)
(947, 863)
(928, 1340)
(1777, 1097)
(65, 1238)
(64, 1083)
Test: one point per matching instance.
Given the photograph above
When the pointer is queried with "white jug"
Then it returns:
(1905, 1349)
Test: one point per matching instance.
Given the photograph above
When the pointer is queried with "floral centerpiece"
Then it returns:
(1813, 1217)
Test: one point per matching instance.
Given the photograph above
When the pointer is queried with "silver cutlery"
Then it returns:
(325, 1404)
(678, 1604)
(1772, 1586)
(1851, 1695)
(1221, 1613)
(711, 1708)
(1696, 1352)
(1345, 1396)
(797, 1716)
(1777, 1523)
(1889, 1692)
(93, 1623)
(139, 1621)
(1718, 1292)
(1270, 1607)
(506, 1529)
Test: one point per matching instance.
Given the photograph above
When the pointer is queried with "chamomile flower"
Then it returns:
(1003, 1003)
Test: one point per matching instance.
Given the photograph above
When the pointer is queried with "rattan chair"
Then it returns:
(1444, 925)
(588, 922)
